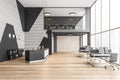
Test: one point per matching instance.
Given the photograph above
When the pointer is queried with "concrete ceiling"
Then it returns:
(65, 11)
(57, 3)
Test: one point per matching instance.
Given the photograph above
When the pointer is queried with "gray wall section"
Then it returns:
(21, 10)
(88, 19)
(7, 42)
(80, 41)
(89, 39)
(55, 43)
(31, 14)
(62, 20)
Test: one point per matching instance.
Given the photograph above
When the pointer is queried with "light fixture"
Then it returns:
(47, 13)
(13, 35)
(9, 35)
(72, 13)
(17, 36)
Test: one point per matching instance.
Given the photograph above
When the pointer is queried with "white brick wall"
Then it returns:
(9, 14)
(34, 37)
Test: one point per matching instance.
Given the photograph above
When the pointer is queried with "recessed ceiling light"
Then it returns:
(72, 13)
(47, 13)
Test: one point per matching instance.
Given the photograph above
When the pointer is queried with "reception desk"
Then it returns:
(36, 55)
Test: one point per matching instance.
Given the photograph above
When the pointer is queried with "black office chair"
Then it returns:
(9, 54)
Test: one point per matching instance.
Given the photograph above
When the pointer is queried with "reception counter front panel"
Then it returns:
(36, 55)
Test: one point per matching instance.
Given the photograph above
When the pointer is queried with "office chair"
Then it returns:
(112, 60)
(101, 54)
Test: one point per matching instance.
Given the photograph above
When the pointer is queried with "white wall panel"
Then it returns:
(67, 43)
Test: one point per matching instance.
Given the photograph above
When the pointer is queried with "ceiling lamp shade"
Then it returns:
(72, 13)
(47, 14)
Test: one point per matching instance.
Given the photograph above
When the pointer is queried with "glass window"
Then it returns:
(93, 19)
(115, 13)
(98, 40)
(85, 40)
(98, 16)
(105, 39)
(115, 42)
(105, 15)
(109, 14)
(93, 41)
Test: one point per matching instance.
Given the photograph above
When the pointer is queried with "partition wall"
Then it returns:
(105, 25)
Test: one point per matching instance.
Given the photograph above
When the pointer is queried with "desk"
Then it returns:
(36, 55)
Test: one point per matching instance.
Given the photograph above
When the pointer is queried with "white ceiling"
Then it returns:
(57, 3)
(65, 11)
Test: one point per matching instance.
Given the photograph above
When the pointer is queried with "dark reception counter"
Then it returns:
(36, 55)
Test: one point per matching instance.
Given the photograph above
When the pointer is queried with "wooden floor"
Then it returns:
(60, 66)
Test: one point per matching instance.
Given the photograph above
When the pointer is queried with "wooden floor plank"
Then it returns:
(60, 66)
